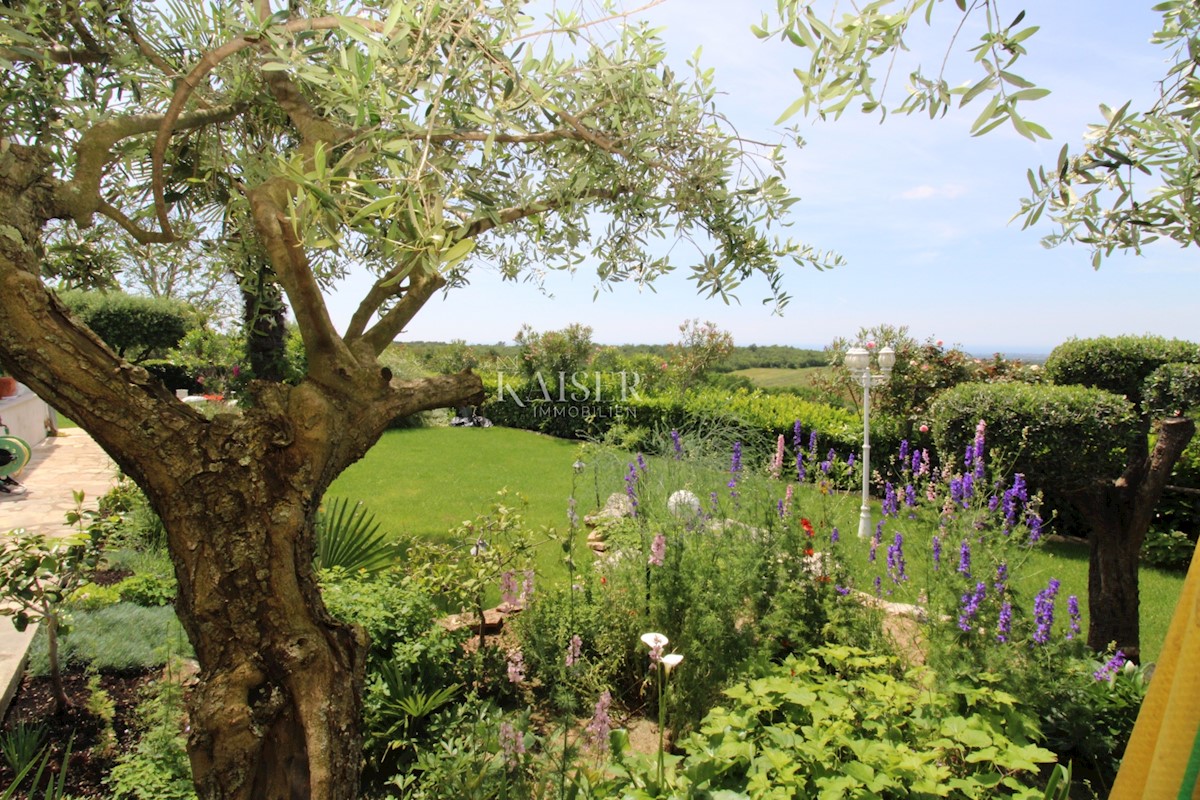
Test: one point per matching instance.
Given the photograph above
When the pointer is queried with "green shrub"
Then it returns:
(148, 589)
(91, 597)
(135, 326)
(1059, 437)
(1172, 389)
(1118, 364)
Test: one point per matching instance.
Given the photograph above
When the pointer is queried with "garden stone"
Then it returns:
(619, 506)
(684, 505)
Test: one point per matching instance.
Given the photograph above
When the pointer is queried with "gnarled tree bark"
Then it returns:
(275, 714)
(1118, 515)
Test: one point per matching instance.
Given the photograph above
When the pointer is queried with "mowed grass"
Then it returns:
(425, 482)
(776, 378)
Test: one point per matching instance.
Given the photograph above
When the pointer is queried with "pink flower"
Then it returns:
(939, 342)
(870, 345)
(516, 667)
(658, 549)
(924, 429)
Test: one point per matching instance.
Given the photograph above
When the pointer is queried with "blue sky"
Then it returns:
(918, 208)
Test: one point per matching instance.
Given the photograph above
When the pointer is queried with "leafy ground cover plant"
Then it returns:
(839, 722)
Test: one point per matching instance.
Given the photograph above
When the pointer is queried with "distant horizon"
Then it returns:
(1022, 353)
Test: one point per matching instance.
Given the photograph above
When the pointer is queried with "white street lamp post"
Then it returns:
(858, 361)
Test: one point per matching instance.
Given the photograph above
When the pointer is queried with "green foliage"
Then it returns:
(841, 722)
(1059, 437)
(1130, 183)
(1172, 389)
(210, 358)
(122, 636)
(92, 597)
(412, 665)
(349, 538)
(135, 326)
(22, 744)
(55, 785)
(1168, 549)
(158, 767)
(1120, 364)
(148, 589)
(700, 348)
(847, 52)
(548, 354)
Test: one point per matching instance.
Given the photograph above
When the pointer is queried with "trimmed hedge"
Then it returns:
(136, 327)
(1060, 437)
(1119, 364)
(555, 411)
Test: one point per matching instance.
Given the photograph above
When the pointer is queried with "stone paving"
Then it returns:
(59, 466)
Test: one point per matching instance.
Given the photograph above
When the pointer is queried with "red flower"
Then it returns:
(808, 551)
(808, 528)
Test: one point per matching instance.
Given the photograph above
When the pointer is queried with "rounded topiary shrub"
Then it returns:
(1118, 364)
(1059, 437)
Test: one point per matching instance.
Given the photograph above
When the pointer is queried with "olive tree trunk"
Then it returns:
(275, 715)
(1118, 515)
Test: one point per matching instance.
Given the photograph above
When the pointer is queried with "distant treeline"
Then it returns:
(754, 356)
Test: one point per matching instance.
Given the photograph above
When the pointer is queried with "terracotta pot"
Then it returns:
(8, 386)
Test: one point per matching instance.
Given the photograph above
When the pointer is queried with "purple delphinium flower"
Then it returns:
(516, 667)
(910, 495)
(658, 549)
(968, 489)
(916, 462)
(801, 470)
(1073, 613)
(797, 436)
(641, 462)
(1004, 623)
(1001, 582)
(1014, 501)
(1035, 527)
(735, 462)
(956, 491)
(780, 509)
(631, 479)
(897, 568)
(1109, 670)
(850, 461)
(598, 728)
(875, 541)
(1043, 611)
(842, 590)
(903, 451)
(979, 448)
(890, 507)
(825, 465)
(970, 606)
(572, 514)
(812, 443)
(714, 502)
(677, 445)
(993, 502)
(937, 552)
(574, 650)
(834, 535)
(878, 586)
(964, 559)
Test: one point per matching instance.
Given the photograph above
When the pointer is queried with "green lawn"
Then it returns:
(424, 482)
(774, 378)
